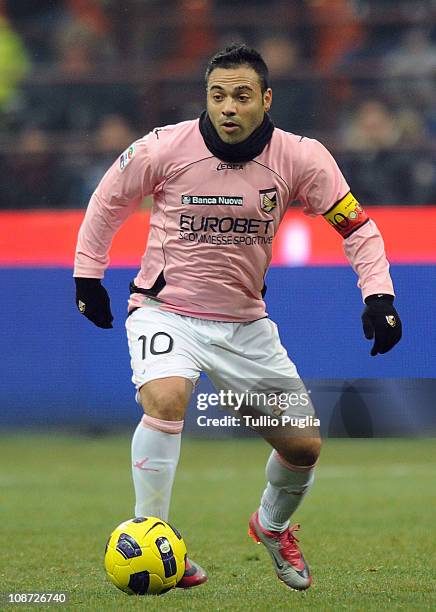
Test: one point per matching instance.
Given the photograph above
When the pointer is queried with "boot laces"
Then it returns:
(289, 547)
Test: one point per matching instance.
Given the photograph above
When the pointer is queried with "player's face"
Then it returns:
(235, 103)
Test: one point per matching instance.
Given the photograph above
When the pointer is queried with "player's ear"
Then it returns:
(267, 99)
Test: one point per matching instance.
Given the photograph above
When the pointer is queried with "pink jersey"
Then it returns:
(213, 223)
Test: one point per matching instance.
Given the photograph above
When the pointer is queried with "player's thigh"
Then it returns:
(258, 365)
(272, 398)
(164, 366)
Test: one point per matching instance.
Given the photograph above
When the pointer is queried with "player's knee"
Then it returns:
(166, 402)
(301, 451)
(170, 406)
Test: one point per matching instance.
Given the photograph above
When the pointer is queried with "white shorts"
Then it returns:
(237, 356)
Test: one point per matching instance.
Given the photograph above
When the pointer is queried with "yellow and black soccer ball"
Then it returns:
(145, 556)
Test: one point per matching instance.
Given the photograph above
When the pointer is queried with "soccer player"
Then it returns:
(221, 185)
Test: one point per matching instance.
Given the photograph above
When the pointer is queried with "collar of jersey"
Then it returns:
(243, 151)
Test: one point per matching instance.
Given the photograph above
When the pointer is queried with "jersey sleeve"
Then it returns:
(320, 183)
(132, 176)
(365, 251)
(323, 190)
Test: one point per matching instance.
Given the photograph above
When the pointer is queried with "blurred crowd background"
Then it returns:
(81, 79)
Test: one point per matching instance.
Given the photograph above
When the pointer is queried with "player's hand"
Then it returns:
(93, 301)
(381, 322)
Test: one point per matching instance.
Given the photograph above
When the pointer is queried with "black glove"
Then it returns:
(93, 301)
(381, 322)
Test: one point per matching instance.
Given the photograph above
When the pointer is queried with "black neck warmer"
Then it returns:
(243, 151)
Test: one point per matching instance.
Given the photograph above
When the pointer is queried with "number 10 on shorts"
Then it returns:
(160, 343)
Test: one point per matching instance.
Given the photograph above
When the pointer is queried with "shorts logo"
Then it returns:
(217, 200)
(127, 156)
(268, 199)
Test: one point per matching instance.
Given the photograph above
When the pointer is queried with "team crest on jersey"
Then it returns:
(268, 199)
(127, 156)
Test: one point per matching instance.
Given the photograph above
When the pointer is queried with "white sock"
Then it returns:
(287, 485)
(155, 455)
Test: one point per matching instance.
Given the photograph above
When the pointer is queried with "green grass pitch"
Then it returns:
(368, 525)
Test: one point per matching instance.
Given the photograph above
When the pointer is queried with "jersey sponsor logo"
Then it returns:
(217, 200)
(224, 166)
(346, 215)
(127, 156)
(225, 230)
(268, 199)
(224, 225)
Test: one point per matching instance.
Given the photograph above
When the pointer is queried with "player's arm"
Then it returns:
(324, 190)
(364, 249)
(119, 193)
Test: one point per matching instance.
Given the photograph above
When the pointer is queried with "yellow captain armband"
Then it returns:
(346, 216)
